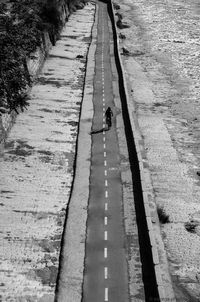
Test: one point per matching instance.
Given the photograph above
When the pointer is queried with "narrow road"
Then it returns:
(106, 271)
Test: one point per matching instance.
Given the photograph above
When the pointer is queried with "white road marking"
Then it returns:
(104, 153)
(104, 146)
(105, 220)
(105, 272)
(106, 194)
(106, 183)
(105, 163)
(104, 132)
(105, 235)
(104, 125)
(105, 172)
(106, 295)
(103, 119)
(103, 109)
(105, 252)
(104, 139)
(106, 207)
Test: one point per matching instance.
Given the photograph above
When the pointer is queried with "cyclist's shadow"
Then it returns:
(99, 131)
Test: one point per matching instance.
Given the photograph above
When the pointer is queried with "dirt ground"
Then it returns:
(160, 50)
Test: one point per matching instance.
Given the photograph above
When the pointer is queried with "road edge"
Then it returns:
(165, 289)
(69, 288)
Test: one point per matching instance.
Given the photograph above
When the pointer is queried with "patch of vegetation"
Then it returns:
(191, 226)
(23, 27)
(163, 217)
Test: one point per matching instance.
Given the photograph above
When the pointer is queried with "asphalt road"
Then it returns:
(106, 271)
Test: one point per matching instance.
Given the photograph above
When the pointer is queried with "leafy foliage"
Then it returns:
(24, 25)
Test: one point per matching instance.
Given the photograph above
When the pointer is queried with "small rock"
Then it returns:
(125, 51)
(122, 36)
(79, 57)
(116, 6)
(121, 25)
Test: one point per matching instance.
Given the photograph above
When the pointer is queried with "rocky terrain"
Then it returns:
(160, 49)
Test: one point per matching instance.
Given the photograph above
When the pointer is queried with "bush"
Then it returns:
(163, 217)
(24, 26)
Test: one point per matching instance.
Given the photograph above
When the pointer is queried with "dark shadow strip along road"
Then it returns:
(149, 278)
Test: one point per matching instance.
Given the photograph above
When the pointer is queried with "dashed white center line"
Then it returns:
(105, 235)
(105, 272)
(106, 295)
(105, 220)
(105, 164)
(105, 252)
(104, 153)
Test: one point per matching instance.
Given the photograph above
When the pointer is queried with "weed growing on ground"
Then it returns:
(163, 217)
(191, 226)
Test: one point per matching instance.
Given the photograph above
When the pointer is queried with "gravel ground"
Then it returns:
(36, 166)
(161, 58)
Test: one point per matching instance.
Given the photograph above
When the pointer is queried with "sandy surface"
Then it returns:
(163, 76)
(36, 166)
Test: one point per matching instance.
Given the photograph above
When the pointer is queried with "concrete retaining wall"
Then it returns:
(164, 286)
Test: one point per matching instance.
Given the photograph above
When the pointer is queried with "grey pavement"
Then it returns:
(106, 270)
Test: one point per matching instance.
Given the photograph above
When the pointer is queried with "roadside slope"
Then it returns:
(36, 166)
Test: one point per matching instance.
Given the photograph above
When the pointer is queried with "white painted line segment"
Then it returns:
(105, 220)
(105, 252)
(105, 163)
(106, 294)
(105, 235)
(105, 272)
(105, 172)
(106, 194)
(106, 183)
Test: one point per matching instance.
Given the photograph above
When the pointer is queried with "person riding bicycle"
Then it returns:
(109, 115)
